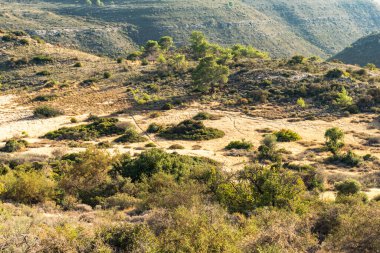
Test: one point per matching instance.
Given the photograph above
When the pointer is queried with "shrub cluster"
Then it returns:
(46, 111)
(286, 135)
(191, 130)
(243, 144)
(99, 128)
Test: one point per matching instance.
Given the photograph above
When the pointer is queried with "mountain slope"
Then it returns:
(365, 50)
(280, 27)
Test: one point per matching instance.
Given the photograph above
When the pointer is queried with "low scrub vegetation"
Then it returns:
(191, 130)
(131, 136)
(99, 128)
(14, 145)
(47, 112)
(243, 144)
(286, 135)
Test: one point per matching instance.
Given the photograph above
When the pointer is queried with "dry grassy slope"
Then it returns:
(74, 32)
(281, 27)
(106, 96)
(365, 50)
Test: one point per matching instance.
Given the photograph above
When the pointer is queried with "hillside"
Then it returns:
(200, 148)
(282, 28)
(365, 50)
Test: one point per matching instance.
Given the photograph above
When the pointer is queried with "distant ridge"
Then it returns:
(365, 50)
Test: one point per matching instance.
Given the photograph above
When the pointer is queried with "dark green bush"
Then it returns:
(42, 59)
(44, 98)
(286, 135)
(43, 73)
(99, 128)
(106, 75)
(206, 116)
(348, 187)
(131, 136)
(156, 160)
(47, 112)
(167, 106)
(334, 73)
(243, 144)
(78, 65)
(154, 128)
(14, 145)
(176, 146)
(191, 130)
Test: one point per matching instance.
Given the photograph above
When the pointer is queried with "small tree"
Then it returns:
(301, 103)
(178, 63)
(343, 98)
(166, 43)
(209, 74)
(151, 47)
(334, 139)
(268, 149)
(199, 44)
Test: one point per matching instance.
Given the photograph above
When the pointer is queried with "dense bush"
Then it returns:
(176, 146)
(45, 98)
(191, 130)
(285, 135)
(28, 187)
(348, 187)
(206, 116)
(243, 144)
(156, 160)
(47, 112)
(131, 136)
(154, 128)
(99, 128)
(334, 73)
(14, 145)
(41, 59)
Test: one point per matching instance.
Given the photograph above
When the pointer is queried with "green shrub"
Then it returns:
(42, 59)
(150, 145)
(73, 120)
(120, 201)
(131, 136)
(46, 112)
(124, 237)
(191, 130)
(119, 60)
(43, 73)
(351, 159)
(154, 128)
(206, 116)
(176, 146)
(155, 160)
(286, 135)
(243, 144)
(24, 42)
(335, 73)
(44, 98)
(167, 106)
(14, 145)
(348, 187)
(78, 65)
(106, 75)
(297, 59)
(99, 128)
(27, 187)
